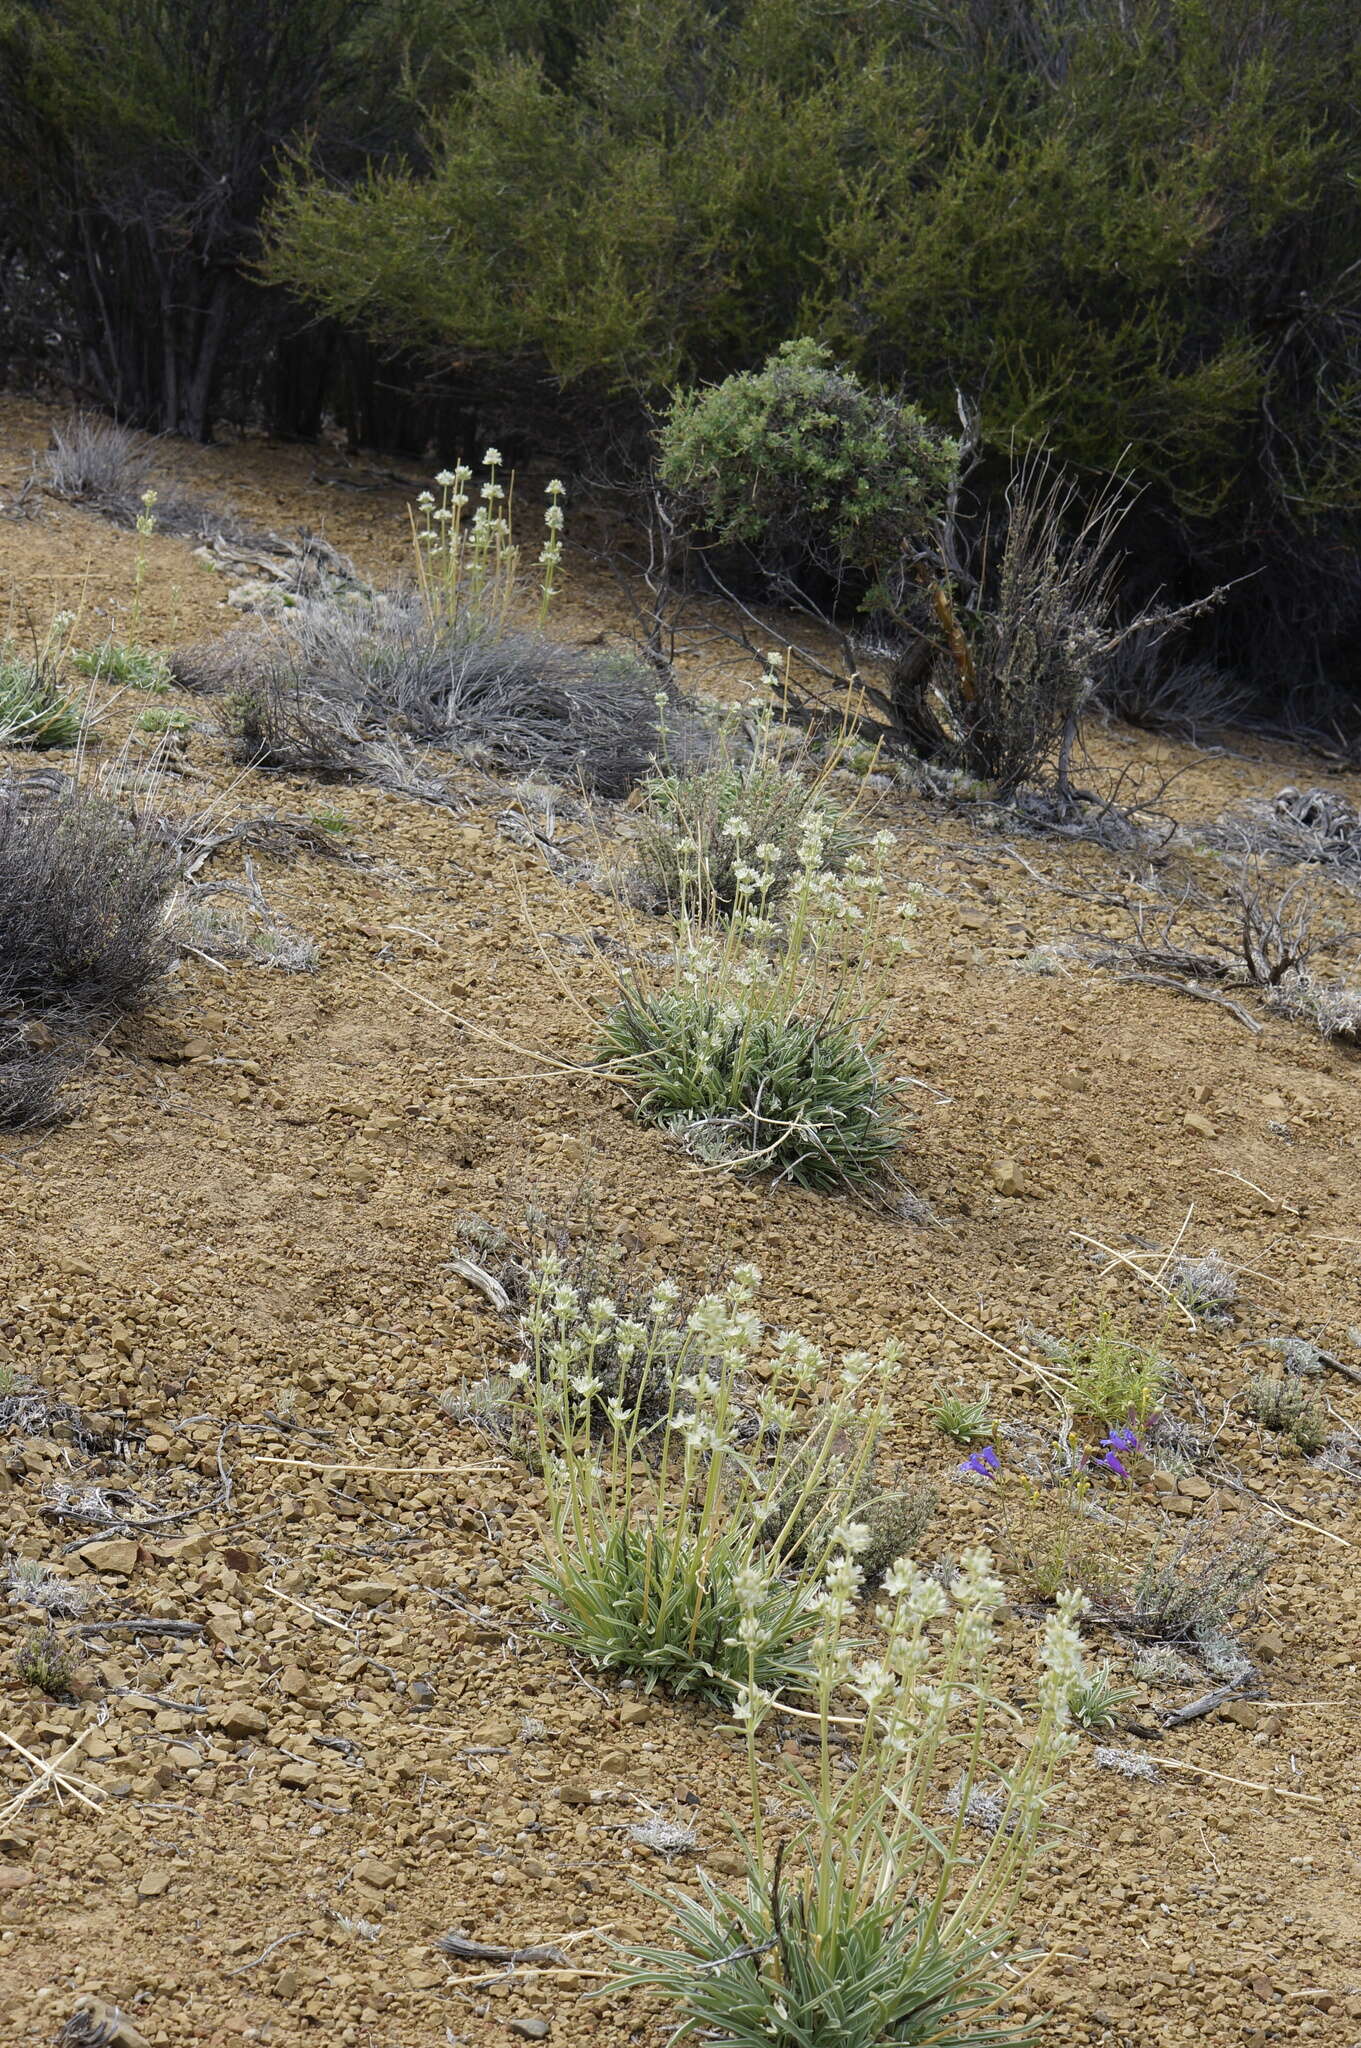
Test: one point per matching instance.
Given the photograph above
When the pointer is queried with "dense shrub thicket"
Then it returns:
(1130, 229)
(1125, 227)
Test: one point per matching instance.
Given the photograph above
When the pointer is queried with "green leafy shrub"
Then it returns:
(756, 1043)
(851, 185)
(1111, 1378)
(964, 1421)
(1095, 1701)
(165, 718)
(127, 666)
(41, 1661)
(892, 1526)
(801, 462)
(799, 1097)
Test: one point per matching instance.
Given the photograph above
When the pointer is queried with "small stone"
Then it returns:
(369, 1592)
(634, 1713)
(1201, 1125)
(296, 1775)
(529, 2027)
(576, 1793)
(1268, 1645)
(239, 1721)
(1007, 1177)
(376, 1874)
(726, 1862)
(155, 1881)
(12, 1875)
(117, 1554)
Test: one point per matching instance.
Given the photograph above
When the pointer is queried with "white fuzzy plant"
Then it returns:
(472, 559)
(678, 1496)
(876, 1917)
(757, 1038)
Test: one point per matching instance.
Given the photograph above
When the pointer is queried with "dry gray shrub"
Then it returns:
(1286, 1407)
(1332, 1007)
(32, 1583)
(93, 461)
(336, 677)
(1194, 1592)
(664, 1836)
(84, 891)
(228, 661)
(1165, 695)
(1307, 827)
(1128, 1762)
(31, 1078)
(85, 887)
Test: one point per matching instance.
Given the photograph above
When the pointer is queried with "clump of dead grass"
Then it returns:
(91, 460)
(332, 679)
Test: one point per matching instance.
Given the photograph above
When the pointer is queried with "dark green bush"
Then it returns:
(1128, 230)
(800, 461)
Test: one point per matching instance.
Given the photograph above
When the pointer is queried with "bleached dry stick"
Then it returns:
(49, 1772)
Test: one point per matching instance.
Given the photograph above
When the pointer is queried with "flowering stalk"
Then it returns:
(146, 525)
(466, 553)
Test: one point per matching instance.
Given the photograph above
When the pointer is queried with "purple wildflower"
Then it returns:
(1112, 1464)
(982, 1463)
(1121, 1440)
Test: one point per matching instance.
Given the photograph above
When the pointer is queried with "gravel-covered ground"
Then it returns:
(311, 1707)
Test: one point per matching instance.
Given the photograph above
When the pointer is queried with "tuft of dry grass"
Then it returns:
(332, 679)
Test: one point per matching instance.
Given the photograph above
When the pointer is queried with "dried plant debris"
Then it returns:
(1128, 1762)
(1256, 941)
(32, 1583)
(1311, 827)
(274, 576)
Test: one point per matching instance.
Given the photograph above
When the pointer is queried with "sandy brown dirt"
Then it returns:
(237, 1255)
